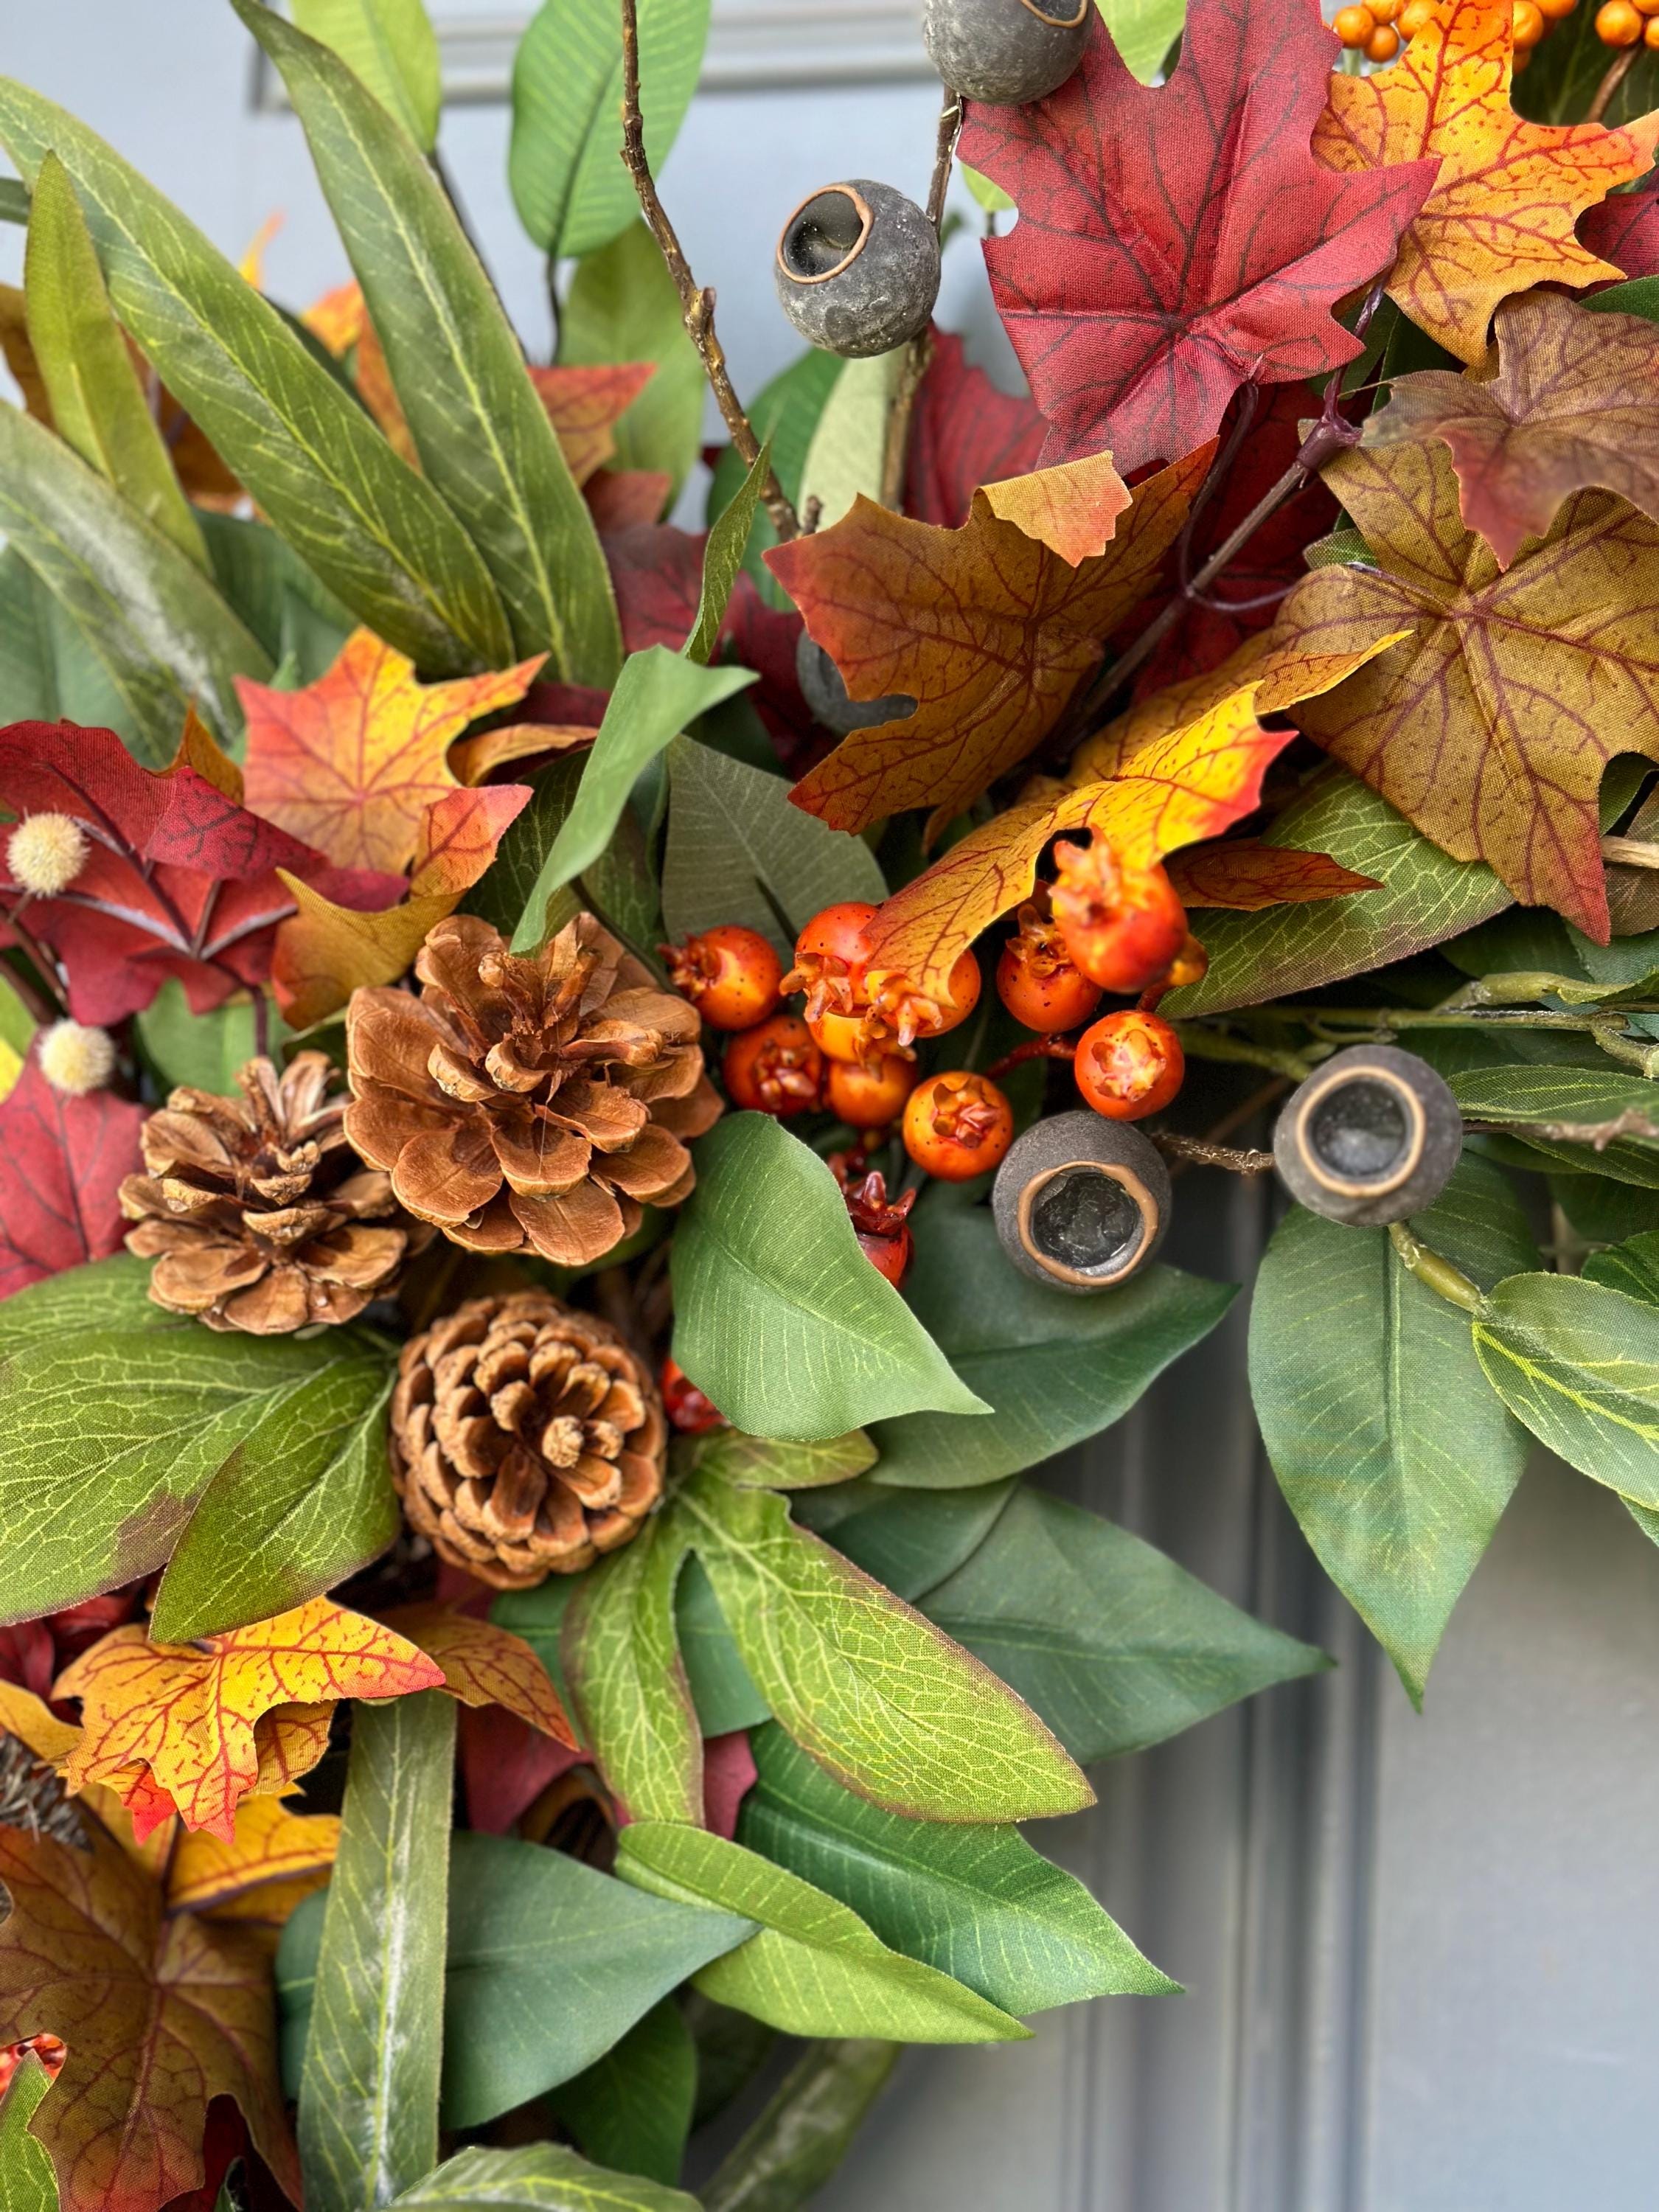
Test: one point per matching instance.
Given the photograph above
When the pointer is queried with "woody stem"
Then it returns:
(919, 351)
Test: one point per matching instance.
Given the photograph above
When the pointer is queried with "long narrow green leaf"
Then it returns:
(369, 2096)
(14, 200)
(805, 2130)
(316, 466)
(97, 405)
(484, 438)
(390, 44)
(542, 2179)
(1579, 1363)
(157, 627)
(722, 557)
(27, 2181)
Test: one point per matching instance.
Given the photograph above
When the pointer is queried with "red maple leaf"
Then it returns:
(1623, 228)
(964, 434)
(1175, 243)
(62, 1163)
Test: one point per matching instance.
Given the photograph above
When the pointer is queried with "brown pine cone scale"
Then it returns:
(526, 1438)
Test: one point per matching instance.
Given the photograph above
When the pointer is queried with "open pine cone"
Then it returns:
(526, 1438)
(254, 1210)
(529, 1103)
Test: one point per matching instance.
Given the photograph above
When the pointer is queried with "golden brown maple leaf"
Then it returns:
(1500, 217)
(988, 628)
(483, 1665)
(1490, 727)
(1245, 876)
(274, 1859)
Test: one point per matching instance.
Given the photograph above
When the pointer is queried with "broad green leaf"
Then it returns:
(389, 46)
(1603, 1211)
(657, 694)
(314, 462)
(485, 440)
(1113, 1644)
(880, 1698)
(761, 1463)
(848, 452)
(721, 1691)
(785, 412)
(565, 162)
(27, 2181)
(1632, 1266)
(781, 1319)
(204, 1050)
(977, 1903)
(623, 306)
(621, 1659)
(1580, 1095)
(368, 2090)
(28, 661)
(1052, 1369)
(1391, 1452)
(1144, 31)
(502, 896)
(909, 1540)
(1579, 1363)
(631, 2110)
(549, 1963)
(738, 851)
(722, 557)
(541, 2179)
(116, 1419)
(97, 406)
(158, 629)
(813, 1967)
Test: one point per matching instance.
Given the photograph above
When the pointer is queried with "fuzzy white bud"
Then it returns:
(75, 1058)
(47, 853)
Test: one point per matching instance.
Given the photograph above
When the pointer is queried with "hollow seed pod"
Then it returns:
(858, 268)
(825, 693)
(1080, 1203)
(1369, 1138)
(1006, 53)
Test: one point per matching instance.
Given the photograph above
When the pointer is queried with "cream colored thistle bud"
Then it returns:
(47, 853)
(75, 1058)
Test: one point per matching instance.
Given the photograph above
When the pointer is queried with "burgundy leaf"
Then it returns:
(62, 1163)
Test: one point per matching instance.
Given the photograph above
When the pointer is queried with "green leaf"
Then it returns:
(848, 453)
(368, 2093)
(390, 47)
(806, 2127)
(313, 462)
(1392, 1453)
(878, 1696)
(28, 661)
(14, 200)
(1144, 31)
(565, 162)
(1021, 1347)
(631, 2110)
(813, 1968)
(503, 894)
(781, 1319)
(979, 1904)
(1632, 1266)
(97, 406)
(1603, 1211)
(1588, 1096)
(1579, 1363)
(159, 630)
(738, 851)
(1532, 943)
(657, 694)
(116, 1419)
(621, 1659)
(1113, 1644)
(786, 413)
(541, 2179)
(990, 197)
(910, 1540)
(272, 590)
(762, 1463)
(27, 2182)
(204, 1050)
(623, 306)
(485, 440)
(722, 557)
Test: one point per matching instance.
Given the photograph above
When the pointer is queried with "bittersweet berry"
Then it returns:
(775, 1068)
(1129, 1065)
(957, 1125)
(729, 974)
(1121, 926)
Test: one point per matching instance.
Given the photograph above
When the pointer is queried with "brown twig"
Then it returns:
(1203, 1152)
(697, 302)
(1617, 72)
(1598, 1135)
(919, 351)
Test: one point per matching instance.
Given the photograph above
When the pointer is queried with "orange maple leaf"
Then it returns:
(1500, 216)
(275, 1858)
(1245, 876)
(351, 764)
(190, 1714)
(483, 1665)
(988, 628)
(1490, 727)
(584, 405)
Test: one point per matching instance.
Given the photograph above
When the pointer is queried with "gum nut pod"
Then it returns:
(1080, 1203)
(1006, 53)
(858, 268)
(1369, 1138)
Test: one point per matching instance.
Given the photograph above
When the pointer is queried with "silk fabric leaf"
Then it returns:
(545, 2178)
(27, 2181)
(623, 306)
(722, 557)
(762, 1463)
(391, 47)
(622, 1660)
(633, 2108)
(1578, 1363)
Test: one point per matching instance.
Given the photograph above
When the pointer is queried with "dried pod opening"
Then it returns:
(1060, 15)
(1085, 1223)
(824, 233)
(1362, 1134)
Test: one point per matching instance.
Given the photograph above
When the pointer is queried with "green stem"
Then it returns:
(1211, 1044)
(1441, 1276)
(805, 2132)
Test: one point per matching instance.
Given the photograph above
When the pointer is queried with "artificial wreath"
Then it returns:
(583, 1101)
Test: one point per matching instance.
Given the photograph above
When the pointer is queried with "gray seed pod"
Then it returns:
(1006, 53)
(858, 268)
(824, 692)
(1081, 1203)
(1370, 1137)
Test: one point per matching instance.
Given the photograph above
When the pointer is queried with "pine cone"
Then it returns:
(254, 1210)
(526, 1438)
(529, 1104)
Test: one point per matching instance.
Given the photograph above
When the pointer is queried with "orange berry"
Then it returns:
(1417, 14)
(1129, 1065)
(1383, 11)
(870, 1098)
(829, 959)
(774, 1068)
(907, 1013)
(957, 1125)
(1122, 929)
(843, 1037)
(1557, 11)
(1651, 32)
(1617, 24)
(730, 974)
(1058, 999)
(1382, 45)
(1353, 26)
(1529, 23)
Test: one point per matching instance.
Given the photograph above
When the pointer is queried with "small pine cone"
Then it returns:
(256, 1212)
(526, 1438)
(529, 1104)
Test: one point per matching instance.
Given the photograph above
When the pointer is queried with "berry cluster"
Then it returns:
(1375, 28)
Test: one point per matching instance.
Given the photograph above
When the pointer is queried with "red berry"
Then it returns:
(957, 1125)
(1121, 927)
(730, 974)
(775, 1068)
(690, 1412)
(1130, 1064)
(829, 959)
(883, 1229)
(1036, 981)
(870, 1098)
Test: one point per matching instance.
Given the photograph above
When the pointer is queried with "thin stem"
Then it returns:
(697, 303)
(1619, 69)
(1201, 1152)
(1598, 1135)
(1210, 1044)
(44, 962)
(919, 351)
(1037, 1048)
(1439, 1275)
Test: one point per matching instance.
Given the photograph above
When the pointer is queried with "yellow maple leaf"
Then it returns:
(274, 1858)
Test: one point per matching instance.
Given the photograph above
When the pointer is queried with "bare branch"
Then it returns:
(919, 351)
